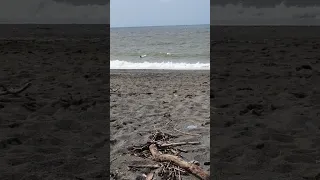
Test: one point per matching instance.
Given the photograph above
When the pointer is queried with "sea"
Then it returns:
(160, 47)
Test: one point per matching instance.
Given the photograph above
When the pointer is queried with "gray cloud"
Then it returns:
(267, 3)
(84, 2)
(52, 12)
(278, 15)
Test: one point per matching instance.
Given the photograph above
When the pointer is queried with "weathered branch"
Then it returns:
(192, 168)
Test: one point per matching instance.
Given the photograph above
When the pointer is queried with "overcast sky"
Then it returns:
(161, 12)
(268, 3)
(262, 12)
(125, 13)
(54, 11)
(85, 2)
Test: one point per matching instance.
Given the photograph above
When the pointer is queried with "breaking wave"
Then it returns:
(117, 64)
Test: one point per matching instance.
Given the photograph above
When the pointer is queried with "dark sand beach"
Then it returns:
(265, 99)
(58, 127)
(144, 101)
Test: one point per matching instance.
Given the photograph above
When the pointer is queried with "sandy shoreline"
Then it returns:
(140, 104)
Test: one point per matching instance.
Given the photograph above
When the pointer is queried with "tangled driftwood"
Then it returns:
(171, 163)
(192, 168)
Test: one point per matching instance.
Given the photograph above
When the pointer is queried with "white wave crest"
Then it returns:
(117, 64)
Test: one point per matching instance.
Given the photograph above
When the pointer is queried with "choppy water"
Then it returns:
(166, 47)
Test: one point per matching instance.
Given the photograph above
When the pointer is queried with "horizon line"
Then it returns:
(157, 25)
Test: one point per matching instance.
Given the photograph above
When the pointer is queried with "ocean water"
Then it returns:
(165, 47)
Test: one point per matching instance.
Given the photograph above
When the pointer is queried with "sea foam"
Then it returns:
(118, 64)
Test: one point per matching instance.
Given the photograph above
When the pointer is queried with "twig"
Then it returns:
(182, 150)
(144, 166)
(174, 152)
(179, 169)
(12, 90)
(178, 144)
(192, 168)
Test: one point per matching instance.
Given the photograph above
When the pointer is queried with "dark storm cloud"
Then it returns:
(267, 3)
(85, 2)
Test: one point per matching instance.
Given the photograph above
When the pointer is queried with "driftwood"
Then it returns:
(192, 168)
(150, 176)
(13, 91)
(170, 163)
(144, 166)
(177, 144)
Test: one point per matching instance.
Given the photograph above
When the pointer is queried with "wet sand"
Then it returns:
(265, 94)
(143, 102)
